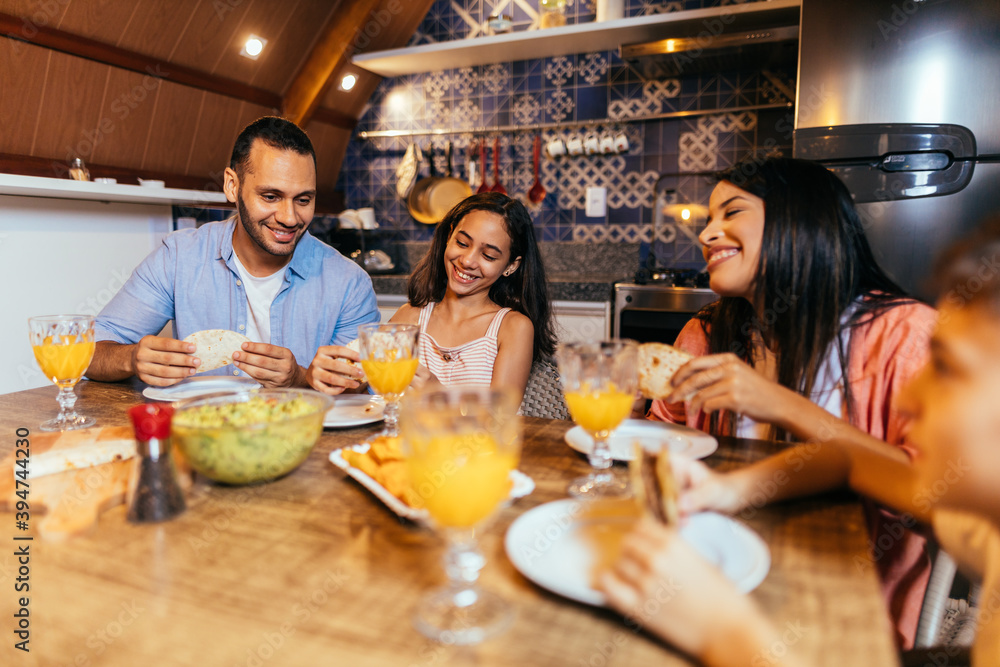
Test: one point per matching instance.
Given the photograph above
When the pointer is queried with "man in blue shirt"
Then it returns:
(258, 273)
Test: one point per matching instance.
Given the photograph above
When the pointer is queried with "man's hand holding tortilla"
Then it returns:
(270, 365)
(162, 362)
(335, 369)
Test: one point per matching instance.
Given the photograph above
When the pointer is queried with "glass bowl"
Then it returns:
(248, 437)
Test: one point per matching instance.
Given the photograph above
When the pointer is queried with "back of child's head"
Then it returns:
(525, 290)
(968, 273)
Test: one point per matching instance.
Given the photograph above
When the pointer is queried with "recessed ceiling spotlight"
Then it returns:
(348, 81)
(253, 47)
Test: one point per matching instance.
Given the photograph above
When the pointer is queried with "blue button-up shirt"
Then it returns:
(192, 280)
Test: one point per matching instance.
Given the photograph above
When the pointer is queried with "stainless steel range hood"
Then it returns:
(757, 41)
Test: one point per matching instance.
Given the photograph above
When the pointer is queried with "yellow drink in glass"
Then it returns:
(390, 377)
(461, 479)
(598, 411)
(63, 346)
(63, 363)
(599, 380)
(461, 444)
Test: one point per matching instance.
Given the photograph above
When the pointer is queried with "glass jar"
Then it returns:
(78, 171)
(499, 24)
(551, 13)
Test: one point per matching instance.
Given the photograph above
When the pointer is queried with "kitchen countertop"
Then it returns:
(562, 286)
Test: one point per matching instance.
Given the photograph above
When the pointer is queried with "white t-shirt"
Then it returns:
(974, 543)
(828, 389)
(260, 294)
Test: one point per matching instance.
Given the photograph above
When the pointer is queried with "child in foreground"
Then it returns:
(955, 426)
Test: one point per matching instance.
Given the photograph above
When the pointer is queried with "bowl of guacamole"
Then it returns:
(248, 437)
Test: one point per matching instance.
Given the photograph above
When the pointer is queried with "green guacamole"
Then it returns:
(251, 441)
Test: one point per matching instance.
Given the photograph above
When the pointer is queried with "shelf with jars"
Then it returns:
(557, 39)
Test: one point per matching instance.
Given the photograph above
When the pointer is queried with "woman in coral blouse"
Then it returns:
(809, 338)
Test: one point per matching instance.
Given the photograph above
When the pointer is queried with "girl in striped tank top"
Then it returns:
(480, 298)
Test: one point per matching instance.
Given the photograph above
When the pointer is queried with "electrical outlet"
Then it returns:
(597, 202)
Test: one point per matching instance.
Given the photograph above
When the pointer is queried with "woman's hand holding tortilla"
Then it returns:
(335, 370)
(271, 365)
(725, 382)
(162, 362)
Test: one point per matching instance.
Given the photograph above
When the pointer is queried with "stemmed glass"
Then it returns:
(63, 347)
(461, 444)
(599, 382)
(389, 359)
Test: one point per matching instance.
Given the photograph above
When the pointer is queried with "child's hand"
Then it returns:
(661, 583)
(701, 489)
(424, 378)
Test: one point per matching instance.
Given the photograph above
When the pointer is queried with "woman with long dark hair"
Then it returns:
(479, 296)
(810, 339)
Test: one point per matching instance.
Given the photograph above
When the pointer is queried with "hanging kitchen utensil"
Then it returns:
(482, 163)
(417, 193)
(537, 192)
(497, 187)
(432, 197)
(445, 193)
(406, 172)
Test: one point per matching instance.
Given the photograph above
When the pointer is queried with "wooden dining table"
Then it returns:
(312, 569)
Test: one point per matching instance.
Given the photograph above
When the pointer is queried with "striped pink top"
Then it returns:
(470, 363)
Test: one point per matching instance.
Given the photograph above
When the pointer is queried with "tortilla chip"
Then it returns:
(215, 347)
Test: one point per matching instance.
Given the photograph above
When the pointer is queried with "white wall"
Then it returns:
(62, 256)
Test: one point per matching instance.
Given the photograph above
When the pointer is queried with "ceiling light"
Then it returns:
(253, 47)
(348, 81)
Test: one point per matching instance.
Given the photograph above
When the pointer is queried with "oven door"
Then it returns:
(656, 313)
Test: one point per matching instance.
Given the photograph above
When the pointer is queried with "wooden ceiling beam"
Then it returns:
(83, 47)
(335, 46)
(12, 27)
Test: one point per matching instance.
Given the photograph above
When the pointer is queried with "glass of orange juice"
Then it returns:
(599, 382)
(63, 347)
(389, 360)
(461, 444)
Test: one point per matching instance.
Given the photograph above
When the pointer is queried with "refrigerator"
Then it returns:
(901, 99)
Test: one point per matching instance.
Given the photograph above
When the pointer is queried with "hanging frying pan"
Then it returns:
(445, 193)
(417, 192)
(432, 197)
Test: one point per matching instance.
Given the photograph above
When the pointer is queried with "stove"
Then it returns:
(659, 303)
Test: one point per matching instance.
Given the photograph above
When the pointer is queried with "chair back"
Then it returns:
(543, 396)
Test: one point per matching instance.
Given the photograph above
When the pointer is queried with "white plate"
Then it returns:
(354, 410)
(522, 485)
(199, 386)
(562, 545)
(690, 442)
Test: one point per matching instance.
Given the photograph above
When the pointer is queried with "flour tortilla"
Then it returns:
(654, 485)
(657, 364)
(356, 346)
(215, 347)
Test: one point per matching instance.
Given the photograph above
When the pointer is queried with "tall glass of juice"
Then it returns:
(63, 347)
(461, 443)
(389, 360)
(599, 382)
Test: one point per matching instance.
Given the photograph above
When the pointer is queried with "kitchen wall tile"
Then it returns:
(588, 86)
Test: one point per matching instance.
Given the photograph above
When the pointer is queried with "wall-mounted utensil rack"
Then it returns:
(533, 127)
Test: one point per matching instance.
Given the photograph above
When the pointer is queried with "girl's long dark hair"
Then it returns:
(815, 261)
(525, 290)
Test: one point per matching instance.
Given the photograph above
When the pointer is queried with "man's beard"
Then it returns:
(256, 232)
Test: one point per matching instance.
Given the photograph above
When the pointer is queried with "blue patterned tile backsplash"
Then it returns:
(565, 90)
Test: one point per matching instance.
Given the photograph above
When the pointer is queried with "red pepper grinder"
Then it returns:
(153, 493)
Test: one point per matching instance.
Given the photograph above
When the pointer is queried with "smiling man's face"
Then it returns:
(275, 198)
